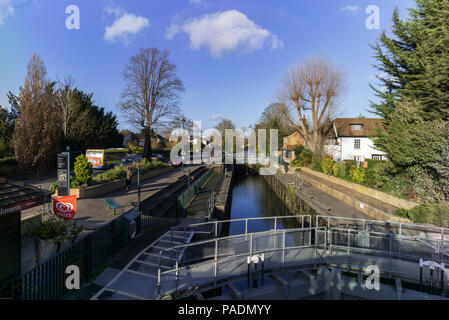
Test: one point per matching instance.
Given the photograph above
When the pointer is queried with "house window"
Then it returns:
(357, 144)
(356, 127)
(377, 157)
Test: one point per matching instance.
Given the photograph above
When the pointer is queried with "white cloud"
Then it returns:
(216, 117)
(223, 32)
(196, 2)
(125, 24)
(6, 10)
(351, 9)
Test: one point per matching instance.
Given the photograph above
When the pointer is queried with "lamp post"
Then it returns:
(138, 187)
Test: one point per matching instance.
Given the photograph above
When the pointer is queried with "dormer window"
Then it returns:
(356, 127)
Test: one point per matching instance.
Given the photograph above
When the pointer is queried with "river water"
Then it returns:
(252, 197)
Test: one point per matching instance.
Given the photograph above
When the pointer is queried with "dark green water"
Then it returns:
(251, 198)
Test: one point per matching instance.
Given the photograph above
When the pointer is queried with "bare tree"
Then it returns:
(64, 104)
(182, 122)
(151, 93)
(223, 125)
(312, 91)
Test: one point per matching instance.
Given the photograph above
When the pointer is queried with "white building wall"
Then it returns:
(346, 151)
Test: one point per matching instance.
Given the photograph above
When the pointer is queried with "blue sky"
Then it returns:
(231, 74)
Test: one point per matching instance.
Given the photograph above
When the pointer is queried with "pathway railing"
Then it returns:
(187, 195)
(226, 258)
(400, 228)
(387, 245)
(246, 224)
(215, 259)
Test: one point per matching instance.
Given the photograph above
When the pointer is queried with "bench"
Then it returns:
(110, 202)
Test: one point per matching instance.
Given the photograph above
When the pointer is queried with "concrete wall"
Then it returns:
(376, 194)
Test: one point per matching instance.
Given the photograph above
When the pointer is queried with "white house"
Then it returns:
(350, 139)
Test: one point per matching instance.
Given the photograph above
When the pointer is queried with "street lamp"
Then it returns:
(138, 187)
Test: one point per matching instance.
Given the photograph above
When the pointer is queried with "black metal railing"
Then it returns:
(48, 280)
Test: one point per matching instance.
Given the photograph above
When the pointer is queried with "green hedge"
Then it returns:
(372, 162)
(431, 213)
(11, 161)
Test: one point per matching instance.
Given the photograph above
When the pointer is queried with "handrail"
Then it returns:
(275, 218)
(400, 225)
(251, 236)
(397, 236)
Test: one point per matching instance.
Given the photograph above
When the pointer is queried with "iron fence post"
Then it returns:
(216, 229)
(159, 275)
(283, 249)
(177, 271)
(349, 240)
(390, 238)
(216, 258)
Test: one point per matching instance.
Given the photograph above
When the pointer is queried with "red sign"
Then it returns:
(65, 207)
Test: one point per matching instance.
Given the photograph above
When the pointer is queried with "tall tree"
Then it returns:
(152, 91)
(273, 118)
(36, 130)
(415, 61)
(414, 96)
(312, 91)
(7, 122)
(91, 127)
(223, 125)
(66, 108)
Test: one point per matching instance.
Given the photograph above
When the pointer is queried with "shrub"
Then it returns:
(116, 173)
(350, 164)
(135, 149)
(326, 165)
(55, 229)
(357, 175)
(303, 156)
(73, 184)
(401, 212)
(83, 170)
(373, 162)
(11, 161)
(431, 213)
(376, 175)
(147, 165)
(339, 170)
(316, 165)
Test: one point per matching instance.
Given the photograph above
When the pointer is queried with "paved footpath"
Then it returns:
(327, 203)
(93, 212)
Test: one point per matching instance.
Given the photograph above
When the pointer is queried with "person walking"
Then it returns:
(128, 177)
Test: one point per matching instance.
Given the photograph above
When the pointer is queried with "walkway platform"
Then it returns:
(327, 204)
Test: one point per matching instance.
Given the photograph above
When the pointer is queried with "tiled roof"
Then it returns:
(12, 193)
(369, 126)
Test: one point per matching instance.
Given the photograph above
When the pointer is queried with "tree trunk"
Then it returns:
(147, 145)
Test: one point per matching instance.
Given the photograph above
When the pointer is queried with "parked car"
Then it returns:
(137, 159)
(129, 161)
(175, 163)
(158, 157)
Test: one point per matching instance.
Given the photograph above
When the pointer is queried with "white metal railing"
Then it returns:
(221, 258)
(302, 220)
(393, 246)
(224, 257)
(397, 227)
